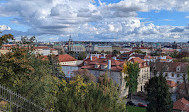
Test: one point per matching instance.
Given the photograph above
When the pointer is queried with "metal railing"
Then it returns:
(16, 103)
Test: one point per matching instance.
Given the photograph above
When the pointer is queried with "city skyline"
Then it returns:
(99, 20)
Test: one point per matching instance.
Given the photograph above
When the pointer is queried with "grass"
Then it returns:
(135, 109)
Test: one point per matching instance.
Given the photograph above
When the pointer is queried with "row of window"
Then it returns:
(173, 75)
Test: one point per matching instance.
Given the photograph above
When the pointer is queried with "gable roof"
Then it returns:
(65, 58)
(137, 60)
(181, 104)
(170, 65)
(116, 65)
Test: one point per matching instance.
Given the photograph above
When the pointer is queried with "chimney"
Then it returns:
(91, 57)
(109, 64)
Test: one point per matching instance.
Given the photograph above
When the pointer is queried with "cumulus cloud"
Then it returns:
(85, 18)
(4, 27)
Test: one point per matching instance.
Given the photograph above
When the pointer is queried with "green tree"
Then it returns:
(132, 70)
(86, 75)
(55, 66)
(5, 38)
(80, 96)
(115, 52)
(27, 74)
(82, 55)
(158, 95)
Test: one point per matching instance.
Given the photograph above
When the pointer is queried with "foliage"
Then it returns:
(135, 109)
(55, 66)
(28, 75)
(132, 70)
(174, 54)
(5, 38)
(159, 97)
(115, 52)
(82, 55)
(139, 51)
(86, 75)
(78, 96)
(31, 76)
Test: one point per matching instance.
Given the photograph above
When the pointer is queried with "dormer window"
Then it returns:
(96, 66)
(103, 66)
(154, 67)
(178, 69)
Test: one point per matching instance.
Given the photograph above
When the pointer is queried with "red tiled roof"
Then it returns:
(137, 60)
(41, 47)
(168, 50)
(141, 47)
(45, 58)
(115, 64)
(148, 57)
(169, 57)
(181, 104)
(171, 83)
(8, 45)
(65, 58)
(171, 66)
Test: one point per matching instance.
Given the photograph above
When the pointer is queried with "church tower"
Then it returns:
(70, 44)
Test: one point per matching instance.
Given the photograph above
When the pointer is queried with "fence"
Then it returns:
(17, 103)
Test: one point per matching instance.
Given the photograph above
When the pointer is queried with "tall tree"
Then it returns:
(132, 70)
(158, 95)
(5, 38)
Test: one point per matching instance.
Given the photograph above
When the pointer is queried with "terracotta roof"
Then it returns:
(171, 66)
(138, 55)
(168, 50)
(137, 60)
(169, 57)
(141, 48)
(65, 58)
(45, 58)
(148, 57)
(41, 47)
(171, 83)
(181, 104)
(8, 45)
(115, 64)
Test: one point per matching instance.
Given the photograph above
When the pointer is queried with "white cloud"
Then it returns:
(84, 18)
(4, 27)
(187, 17)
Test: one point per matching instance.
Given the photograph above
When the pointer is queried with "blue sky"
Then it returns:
(104, 20)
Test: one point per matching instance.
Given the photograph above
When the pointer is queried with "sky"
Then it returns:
(97, 20)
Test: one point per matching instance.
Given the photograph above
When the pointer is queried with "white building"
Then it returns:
(144, 74)
(69, 64)
(158, 58)
(173, 71)
(98, 66)
(103, 48)
(45, 51)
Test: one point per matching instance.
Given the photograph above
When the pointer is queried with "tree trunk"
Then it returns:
(130, 96)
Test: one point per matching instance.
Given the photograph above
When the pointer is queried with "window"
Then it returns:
(172, 74)
(178, 82)
(178, 75)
